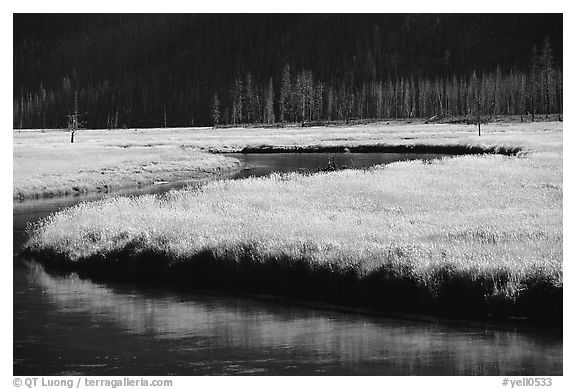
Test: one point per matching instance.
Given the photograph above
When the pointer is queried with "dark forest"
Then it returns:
(133, 71)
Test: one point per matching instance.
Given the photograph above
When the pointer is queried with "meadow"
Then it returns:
(47, 164)
(472, 235)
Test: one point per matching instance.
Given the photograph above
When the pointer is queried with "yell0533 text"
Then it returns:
(527, 381)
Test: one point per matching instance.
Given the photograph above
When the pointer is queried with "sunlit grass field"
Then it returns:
(472, 235)
(45, 167)
(47, 164)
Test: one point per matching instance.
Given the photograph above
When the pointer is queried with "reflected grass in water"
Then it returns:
(209, 326)
(44, 169)
(471, 235)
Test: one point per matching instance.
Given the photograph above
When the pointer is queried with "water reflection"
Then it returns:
(253, 336)
(262, 164)
(67, 325)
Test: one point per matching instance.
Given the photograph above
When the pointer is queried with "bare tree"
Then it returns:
(74, 119)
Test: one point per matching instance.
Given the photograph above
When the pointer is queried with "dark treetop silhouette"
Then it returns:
(186, 70)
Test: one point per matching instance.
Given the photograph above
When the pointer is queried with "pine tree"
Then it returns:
(285, 91)
(496, 99)
(43, 105)
(269, 103)
(318, 101)
(476, 96)
(309, 94)
(250, 99)
(522, 97)
(300, 96)
(329, 104)
(533, 80)
(216, 110)
(559, 93)
(362, 101)
(237, 101)
(546, 63)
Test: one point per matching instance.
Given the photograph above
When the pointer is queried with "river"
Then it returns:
(65, 325)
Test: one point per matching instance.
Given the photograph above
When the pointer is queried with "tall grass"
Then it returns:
(474, 235)
(43, 170)
(46, 164)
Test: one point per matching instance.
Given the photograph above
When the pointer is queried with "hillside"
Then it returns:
(190, 70)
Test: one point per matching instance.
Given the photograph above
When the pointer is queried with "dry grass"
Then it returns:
(467, 234)
(45, 165)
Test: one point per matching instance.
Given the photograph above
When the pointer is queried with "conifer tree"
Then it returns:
(285, 90)
(216, 110)
(533, 80)
(559, 93)
(477, 96)
(269, 103)
(546, 63)
(522, 97)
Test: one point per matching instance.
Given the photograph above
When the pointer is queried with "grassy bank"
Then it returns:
(472, 235)
(455, 149)
(46, 164)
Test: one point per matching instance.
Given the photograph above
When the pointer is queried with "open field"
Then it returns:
(46, 164)
(471, 235)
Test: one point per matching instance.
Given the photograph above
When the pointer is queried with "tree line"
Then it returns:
(301, 97)
(193, 70)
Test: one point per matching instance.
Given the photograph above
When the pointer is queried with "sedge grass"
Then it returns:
(46, 164)
(473, 235)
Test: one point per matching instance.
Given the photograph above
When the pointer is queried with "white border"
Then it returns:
(299, 6)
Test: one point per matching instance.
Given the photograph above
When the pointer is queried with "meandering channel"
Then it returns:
(67, 325)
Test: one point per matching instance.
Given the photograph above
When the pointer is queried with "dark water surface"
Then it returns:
(262, 164)
(67, 325)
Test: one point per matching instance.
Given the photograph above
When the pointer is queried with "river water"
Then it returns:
(65, 325)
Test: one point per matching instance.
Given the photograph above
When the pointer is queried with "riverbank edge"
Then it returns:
(383, 291)
(232, 166)
(419, 148)
(457, 296)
